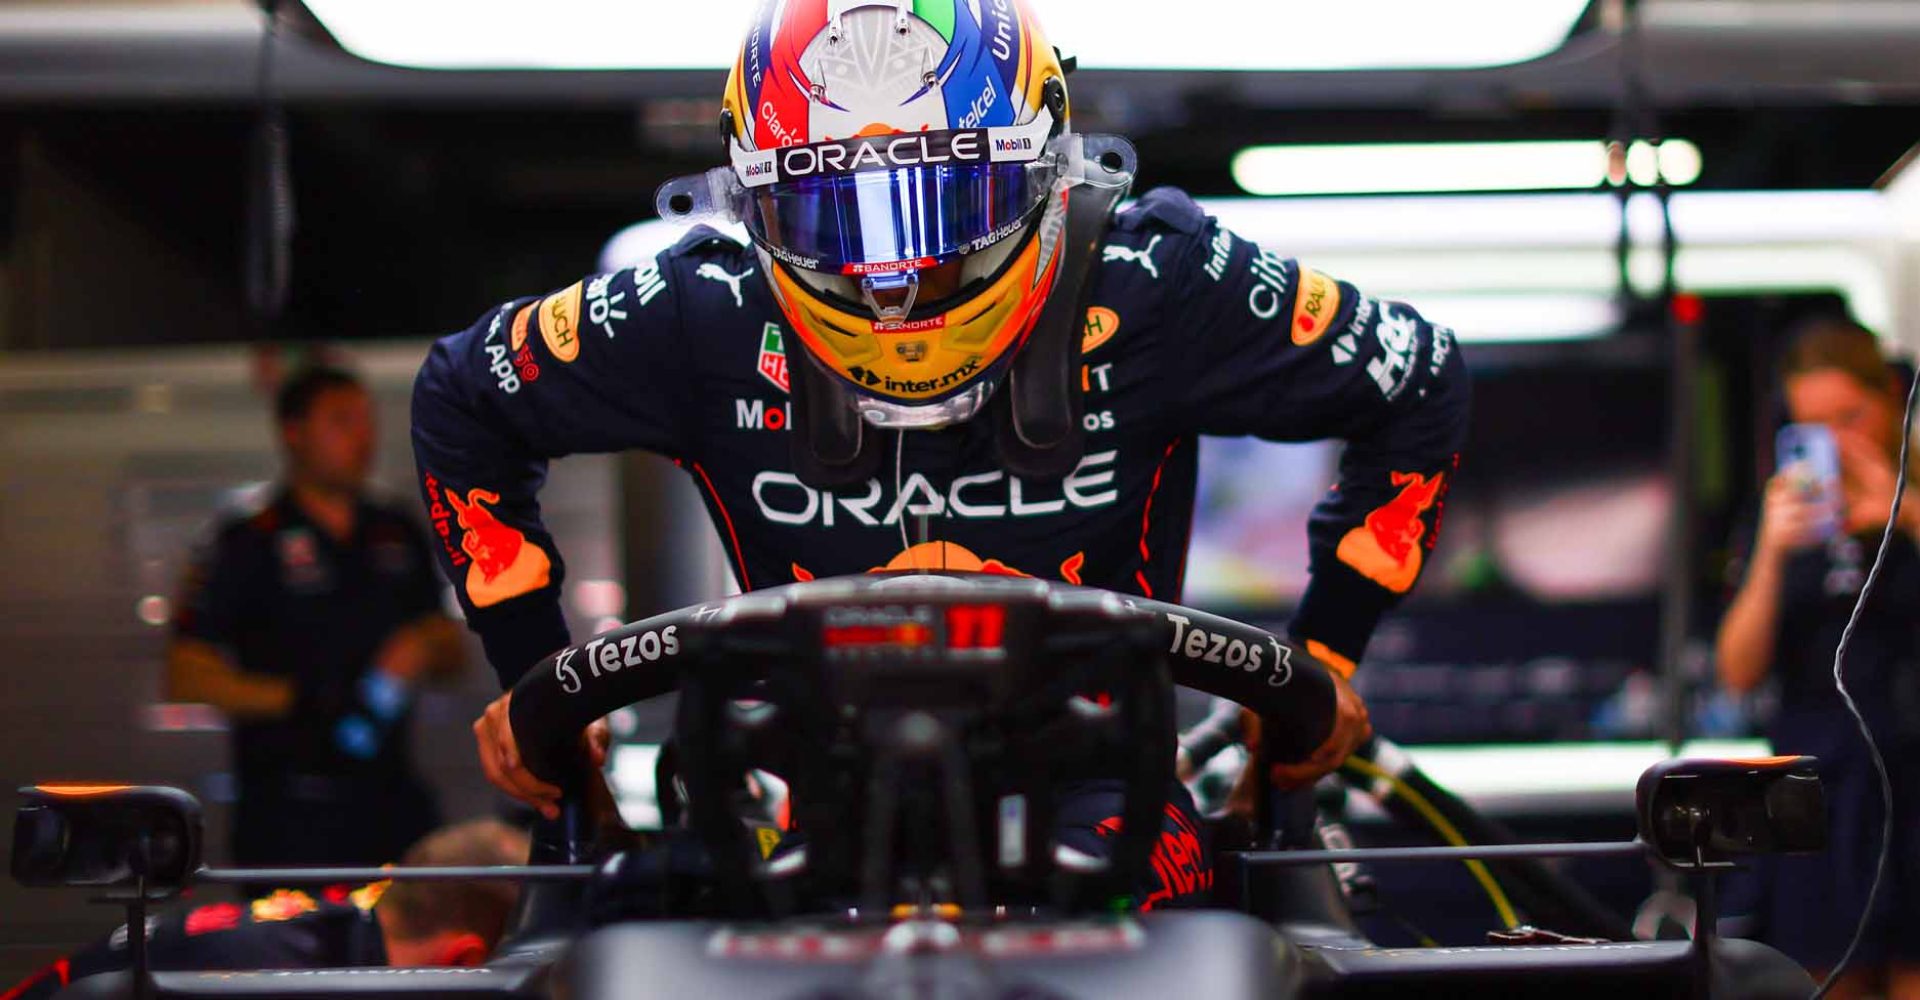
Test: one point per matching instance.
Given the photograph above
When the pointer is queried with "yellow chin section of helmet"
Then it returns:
(930, 358)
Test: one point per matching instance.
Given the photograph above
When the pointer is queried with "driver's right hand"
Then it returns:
(500, 757)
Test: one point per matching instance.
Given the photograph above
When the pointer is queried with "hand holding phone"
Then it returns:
(1803, 504)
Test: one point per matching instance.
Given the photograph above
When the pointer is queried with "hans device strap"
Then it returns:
(1036, 415)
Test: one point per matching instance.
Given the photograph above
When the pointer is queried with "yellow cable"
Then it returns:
(1446, 830)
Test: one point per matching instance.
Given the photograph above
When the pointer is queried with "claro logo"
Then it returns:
(611, 653)
(784, 499)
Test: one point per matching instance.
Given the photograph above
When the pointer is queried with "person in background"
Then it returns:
(1796, 592)
(310, 622)
(400, 924)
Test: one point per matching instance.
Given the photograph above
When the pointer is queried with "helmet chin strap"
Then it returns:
(1036, 413)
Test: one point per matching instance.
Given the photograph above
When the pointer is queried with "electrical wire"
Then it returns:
(899, 460)
(1447, 831)
(1840, 685)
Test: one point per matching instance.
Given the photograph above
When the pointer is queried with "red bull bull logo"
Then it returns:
(502, 564)
(945, 555)
(1386, 549)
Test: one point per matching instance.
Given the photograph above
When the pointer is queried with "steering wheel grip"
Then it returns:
(1291, 690)
(569, 688)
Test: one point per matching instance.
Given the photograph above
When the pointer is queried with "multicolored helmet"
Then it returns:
(902, 167)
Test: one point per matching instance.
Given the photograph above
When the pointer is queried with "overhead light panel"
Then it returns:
(1436, 167)
(1196, 35)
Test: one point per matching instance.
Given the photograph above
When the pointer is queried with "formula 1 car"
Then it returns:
(922, 722)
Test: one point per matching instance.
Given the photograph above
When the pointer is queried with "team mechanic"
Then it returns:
(945, 347)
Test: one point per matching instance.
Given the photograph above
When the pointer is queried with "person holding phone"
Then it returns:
(1820, 521)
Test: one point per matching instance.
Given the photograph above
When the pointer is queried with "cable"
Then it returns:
(1445, 829)
(900, 459)
(1840, 685)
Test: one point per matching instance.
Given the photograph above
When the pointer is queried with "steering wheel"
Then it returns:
(850, 686)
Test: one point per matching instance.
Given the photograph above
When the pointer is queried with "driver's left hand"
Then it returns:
(1351, 728)
(500, 756)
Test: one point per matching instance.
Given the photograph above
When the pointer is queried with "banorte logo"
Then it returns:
(1386, 549)
(504, 564)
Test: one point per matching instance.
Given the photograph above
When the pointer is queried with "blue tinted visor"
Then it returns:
(906, 218)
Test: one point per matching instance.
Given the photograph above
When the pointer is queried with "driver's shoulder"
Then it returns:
(1162, 209)
(1153, 244)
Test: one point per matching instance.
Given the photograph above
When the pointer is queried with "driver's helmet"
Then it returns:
(901, 167)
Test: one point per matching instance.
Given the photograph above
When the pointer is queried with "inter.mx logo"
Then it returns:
(773, 357)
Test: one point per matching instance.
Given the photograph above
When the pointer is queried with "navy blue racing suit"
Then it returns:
(1190, 330)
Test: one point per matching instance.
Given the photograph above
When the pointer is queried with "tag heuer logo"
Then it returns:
(773, 357)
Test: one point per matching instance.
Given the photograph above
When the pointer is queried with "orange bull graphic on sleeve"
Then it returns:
(1386, 549)
(504, 564)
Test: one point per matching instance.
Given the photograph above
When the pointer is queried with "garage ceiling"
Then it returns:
(1700, 52)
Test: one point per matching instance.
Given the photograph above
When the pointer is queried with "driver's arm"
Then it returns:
(597, 366)
(223, 581)
(1285, 353)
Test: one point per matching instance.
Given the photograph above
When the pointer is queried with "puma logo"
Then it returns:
(714, 272)
(1142, 256)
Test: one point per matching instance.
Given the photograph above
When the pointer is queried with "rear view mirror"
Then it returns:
(1703, 812)
(106, 835)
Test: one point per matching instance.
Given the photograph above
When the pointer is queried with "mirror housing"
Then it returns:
(106, 835)
(1702, 812)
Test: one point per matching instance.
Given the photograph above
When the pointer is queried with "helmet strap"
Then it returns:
(1037, 413)
(828, 440)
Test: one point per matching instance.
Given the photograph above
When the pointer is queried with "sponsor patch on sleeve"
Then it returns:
(560, 323)
(1315, 306)
(1102, 324)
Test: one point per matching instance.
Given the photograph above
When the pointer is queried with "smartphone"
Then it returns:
(1809, 453)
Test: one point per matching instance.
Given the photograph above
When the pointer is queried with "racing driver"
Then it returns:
(945, 346)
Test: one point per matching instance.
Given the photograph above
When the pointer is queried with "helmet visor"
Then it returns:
(883, 221)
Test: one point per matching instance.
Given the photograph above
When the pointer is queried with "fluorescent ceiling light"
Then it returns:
(1430, 167)
(1532, 221)
(1487, 319)
(1198, 35)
